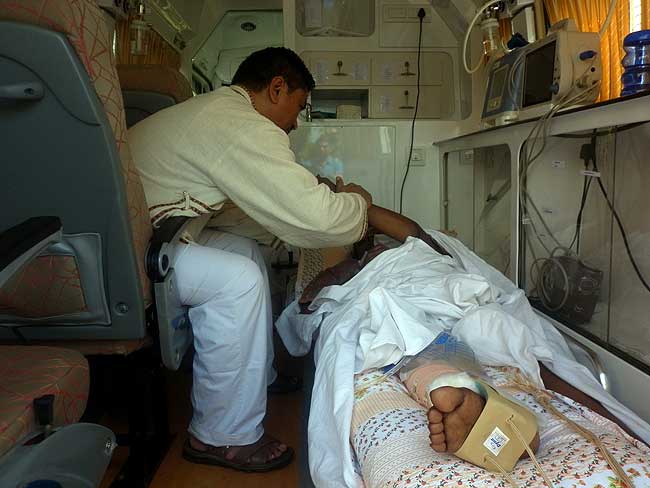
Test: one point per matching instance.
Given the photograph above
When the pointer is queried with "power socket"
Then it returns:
(419, 156)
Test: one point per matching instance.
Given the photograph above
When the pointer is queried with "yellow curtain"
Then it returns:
(645, 14)
(158, 52)
(589, 16)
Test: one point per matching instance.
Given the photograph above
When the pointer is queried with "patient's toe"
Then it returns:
(447, 398)
(436, 430)
(435, 416)
(455, 411)
(437, 442)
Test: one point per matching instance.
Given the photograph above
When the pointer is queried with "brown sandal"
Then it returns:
(250, 458)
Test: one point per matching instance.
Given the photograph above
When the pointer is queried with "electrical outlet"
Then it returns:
(418, 156)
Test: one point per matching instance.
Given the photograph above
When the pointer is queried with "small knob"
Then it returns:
(555, 88)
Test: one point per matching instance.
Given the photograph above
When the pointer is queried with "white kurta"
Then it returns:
(195, 156)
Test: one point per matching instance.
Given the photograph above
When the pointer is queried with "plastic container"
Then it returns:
(444, 348)
(636, 77)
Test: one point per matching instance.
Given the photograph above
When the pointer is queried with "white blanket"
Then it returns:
(396, 305)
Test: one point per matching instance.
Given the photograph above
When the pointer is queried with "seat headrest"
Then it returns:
(154, 78)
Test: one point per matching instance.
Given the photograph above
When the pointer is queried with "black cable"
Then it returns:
(583, 200)
(421, 14)
(587, 181)
(586, 153)
(618, 220)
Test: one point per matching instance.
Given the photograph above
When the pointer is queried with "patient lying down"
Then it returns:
(464, 415)
(453, 411)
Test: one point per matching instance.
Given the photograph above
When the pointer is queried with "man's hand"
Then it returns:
(341, 187)
(326, 181)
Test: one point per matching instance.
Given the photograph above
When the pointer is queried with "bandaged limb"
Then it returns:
(470, 419)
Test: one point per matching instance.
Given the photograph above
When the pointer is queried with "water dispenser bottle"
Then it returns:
(636, 77)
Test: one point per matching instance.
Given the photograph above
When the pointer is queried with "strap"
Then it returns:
(530, 452)
(505, 474)
(544, 399)
(246, 454)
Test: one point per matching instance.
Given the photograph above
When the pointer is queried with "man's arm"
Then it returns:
(258, 172)
(398, 227)
(386, 221)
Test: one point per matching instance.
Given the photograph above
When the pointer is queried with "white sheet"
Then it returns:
(396, 305)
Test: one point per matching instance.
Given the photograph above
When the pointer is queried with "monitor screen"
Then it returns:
(498, 82)
(538, 76)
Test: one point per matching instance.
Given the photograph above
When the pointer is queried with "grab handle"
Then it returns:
(30, 90)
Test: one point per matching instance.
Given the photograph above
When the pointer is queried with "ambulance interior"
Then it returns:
(514, 130)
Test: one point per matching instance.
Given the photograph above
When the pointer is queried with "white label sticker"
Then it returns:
(496, 441)
(594, 174)
(321, 70)
(387, 72)
(360, 71)
(385, 104)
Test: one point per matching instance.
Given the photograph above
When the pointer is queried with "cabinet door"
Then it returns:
(338, 69)
(402, 68)
(398, 102)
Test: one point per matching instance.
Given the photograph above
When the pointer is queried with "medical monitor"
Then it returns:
(539, 67)
(557, 69)
(499, 83)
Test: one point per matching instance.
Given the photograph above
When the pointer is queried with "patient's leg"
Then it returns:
(558, 385)
(454, 413)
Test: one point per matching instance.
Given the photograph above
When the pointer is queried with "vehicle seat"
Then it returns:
(148, 88)
(72, 277)
(64, 121)
(68, 167)
(30, 372)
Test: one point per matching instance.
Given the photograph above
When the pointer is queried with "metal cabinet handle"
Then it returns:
(339, 66)
(407, 70)
(407, 105)
(30, 90)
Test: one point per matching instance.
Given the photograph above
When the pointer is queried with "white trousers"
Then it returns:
(224, 281)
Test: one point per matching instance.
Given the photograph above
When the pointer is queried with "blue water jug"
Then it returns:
(636, 77)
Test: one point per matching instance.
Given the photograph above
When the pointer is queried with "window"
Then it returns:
(635, 15)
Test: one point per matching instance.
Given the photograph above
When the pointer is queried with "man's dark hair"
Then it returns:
(258, 69)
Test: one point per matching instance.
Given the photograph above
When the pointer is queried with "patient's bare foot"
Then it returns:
(454, 413)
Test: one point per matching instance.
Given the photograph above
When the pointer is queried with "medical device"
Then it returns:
(568, 288)
(496, 23)
(531, 80)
